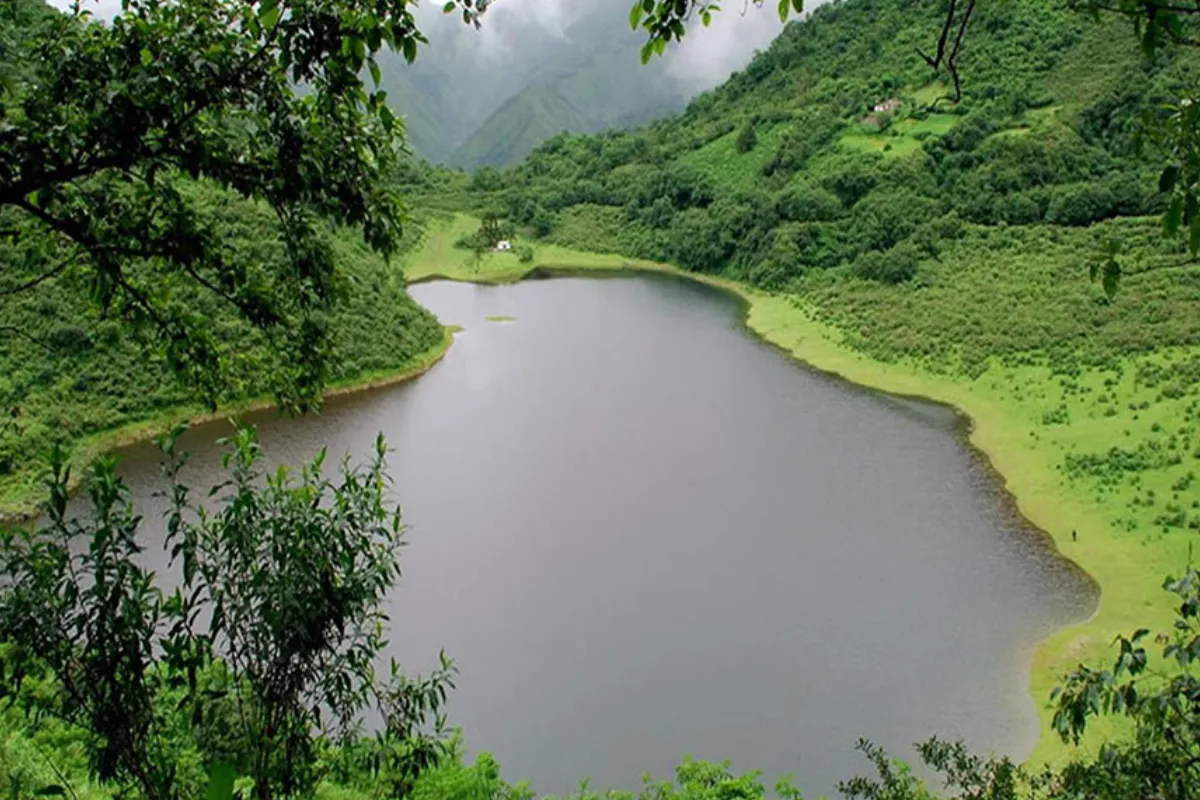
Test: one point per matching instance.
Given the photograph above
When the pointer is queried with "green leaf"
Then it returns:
(376, 73)
(54, 790)
(268, 14)
(1173, 216)
(147, 57)
(387, 118)
(1112, 278)
(635, 15)
(1166, 181)
(785, 7)
(410, 50)
(220, 782)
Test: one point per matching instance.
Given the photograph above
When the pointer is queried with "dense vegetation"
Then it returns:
(786, 171)
(68, 372)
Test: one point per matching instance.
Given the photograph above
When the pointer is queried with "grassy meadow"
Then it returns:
(438, 259)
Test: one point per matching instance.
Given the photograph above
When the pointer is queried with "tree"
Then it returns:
(268, 643)
(103, 126)
(747, 138)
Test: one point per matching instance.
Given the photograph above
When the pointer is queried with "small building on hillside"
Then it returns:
(886, 106)
(504, 245)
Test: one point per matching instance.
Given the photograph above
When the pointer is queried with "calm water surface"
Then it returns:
(644, 534)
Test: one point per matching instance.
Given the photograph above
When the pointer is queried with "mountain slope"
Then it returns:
(527, 76)
(586, 92)
(1041, 135)
(523, 122)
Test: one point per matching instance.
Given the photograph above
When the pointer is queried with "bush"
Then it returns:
(1079, 204)
(894, 266)
(472, 241)
(524, 253)
(747, 139)
(782, 263)
(807, 203)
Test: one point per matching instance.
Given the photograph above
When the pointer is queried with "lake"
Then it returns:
(643, 534)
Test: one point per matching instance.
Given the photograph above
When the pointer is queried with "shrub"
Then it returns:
(747, 138)
(1079, 204)
(805, 202)
(894, 266)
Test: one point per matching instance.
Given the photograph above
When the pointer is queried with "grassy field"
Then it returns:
(1041, 430)
(890, 145)
(720, 160)
(903, 138)
(438, 258)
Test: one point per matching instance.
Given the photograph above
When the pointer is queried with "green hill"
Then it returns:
(75, 377)
(523, 122)
(1041, 135)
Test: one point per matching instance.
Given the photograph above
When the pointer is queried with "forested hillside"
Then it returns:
(786, 170)
(67, 373)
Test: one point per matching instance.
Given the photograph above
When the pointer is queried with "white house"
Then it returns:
(504, 245)
(886, 105)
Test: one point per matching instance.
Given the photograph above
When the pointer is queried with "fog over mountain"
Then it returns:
(538, 67)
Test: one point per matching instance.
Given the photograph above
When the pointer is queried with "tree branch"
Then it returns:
(29, 284)
(936, 61)
(15, 331)
(952, 61)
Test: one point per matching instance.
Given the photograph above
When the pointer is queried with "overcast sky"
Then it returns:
(705, 58)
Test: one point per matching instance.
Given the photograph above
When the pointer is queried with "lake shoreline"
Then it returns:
(22, 509)
(989, 430)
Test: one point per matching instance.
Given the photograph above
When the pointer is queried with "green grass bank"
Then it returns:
(20, 500)
(1040, 429)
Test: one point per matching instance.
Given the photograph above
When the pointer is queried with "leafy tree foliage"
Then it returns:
(261, 658)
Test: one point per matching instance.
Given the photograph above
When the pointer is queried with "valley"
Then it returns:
(856, 395)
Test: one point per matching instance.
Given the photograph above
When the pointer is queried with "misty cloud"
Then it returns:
(706, 57)
(101, 9)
